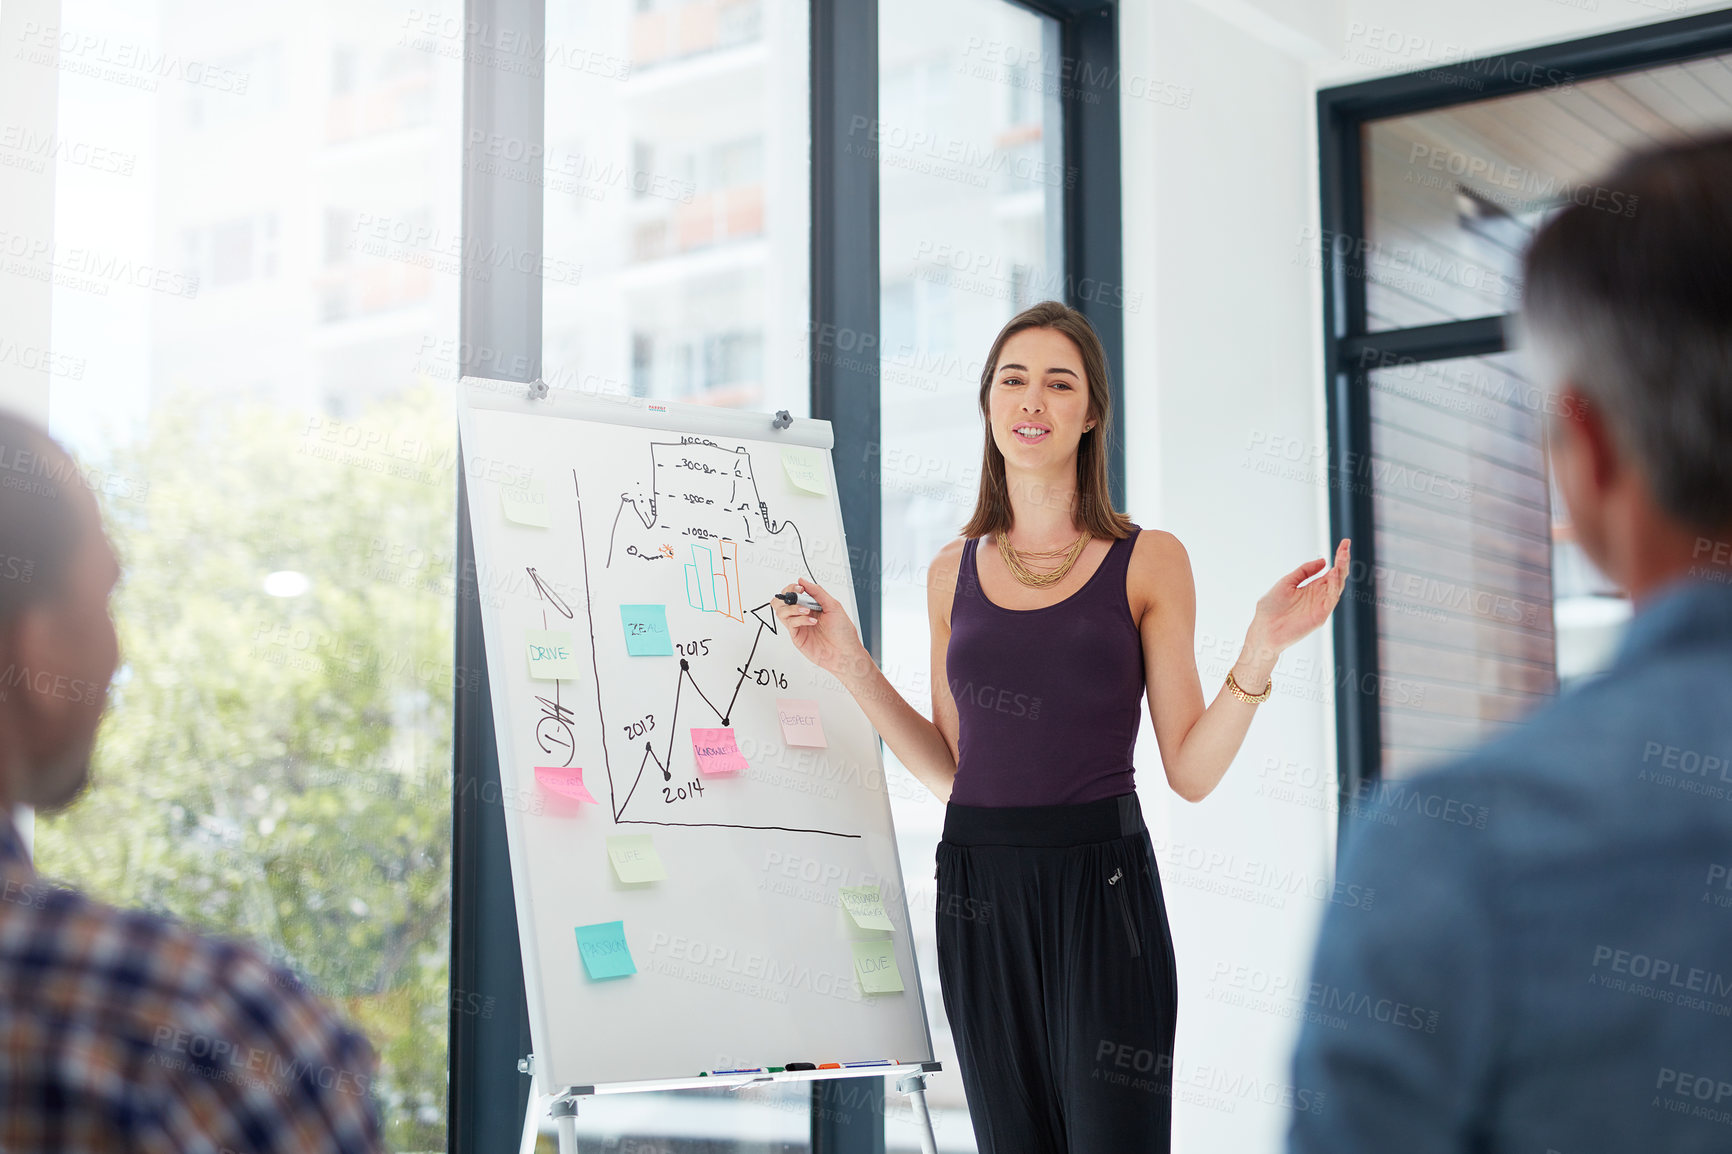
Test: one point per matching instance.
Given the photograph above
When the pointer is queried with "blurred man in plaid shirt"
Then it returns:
(121, 1030)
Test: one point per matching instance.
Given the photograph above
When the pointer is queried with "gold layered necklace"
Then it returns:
(1014, 560)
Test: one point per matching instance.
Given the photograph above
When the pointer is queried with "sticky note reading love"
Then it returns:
(805, 467)
(866, 906)
(635, 859)
(526, 504)
(605, 953)
(800, 724)
(552, 654)
(646, 630)
(875, 964)
(567, 781)
(716, 751)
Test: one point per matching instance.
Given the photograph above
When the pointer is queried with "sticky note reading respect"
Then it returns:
(716, 751)
(526, 504)
(605, 954)
(635, 859)
(805, 467)
(800, 724)
(552, 654)
(646, 630)
(866, 906)
(567, 781)
(875, 964)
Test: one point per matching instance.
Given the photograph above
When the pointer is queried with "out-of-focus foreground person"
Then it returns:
(1548, 962)
(121, 1030)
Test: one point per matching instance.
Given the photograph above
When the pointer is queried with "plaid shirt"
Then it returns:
(121, 1030)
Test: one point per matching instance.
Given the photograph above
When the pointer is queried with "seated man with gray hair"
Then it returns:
(122, 1030)
(1561, 979)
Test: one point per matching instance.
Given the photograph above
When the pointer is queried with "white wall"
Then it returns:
(1223, 372)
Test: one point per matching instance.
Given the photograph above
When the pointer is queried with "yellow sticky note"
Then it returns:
(865, 906)
(805, 467)
(875, 965)
(552, 654)
(635, 859)
(526, 504)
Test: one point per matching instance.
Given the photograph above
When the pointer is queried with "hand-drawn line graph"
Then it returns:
(555, 726)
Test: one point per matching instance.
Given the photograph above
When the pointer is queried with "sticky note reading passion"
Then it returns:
(605, 953)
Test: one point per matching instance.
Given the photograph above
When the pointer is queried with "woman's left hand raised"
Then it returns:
(1288, 612)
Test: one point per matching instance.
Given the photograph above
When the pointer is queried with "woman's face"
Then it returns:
(1038, 384)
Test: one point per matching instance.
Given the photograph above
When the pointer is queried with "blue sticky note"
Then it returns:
(605, 954)
(646, 630)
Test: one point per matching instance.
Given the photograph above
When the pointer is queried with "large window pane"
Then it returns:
(970, 160)
(254, 277)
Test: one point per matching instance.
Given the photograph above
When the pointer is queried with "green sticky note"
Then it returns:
(605, 954)
(805, 467)
(646, 630)
(552, 654)
(865, 906)
(635, 859)
(875, 964)
(526, 504)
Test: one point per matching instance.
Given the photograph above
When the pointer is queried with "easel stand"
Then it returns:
(563, 1106)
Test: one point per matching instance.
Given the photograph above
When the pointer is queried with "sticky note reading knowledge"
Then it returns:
(526, 504)
(875, 963)
(605, 954)
(635, 859)
(800, 724)
(716, 751)
(567, 781)
(866, 906)
(805, 467)
(552, 654)
(646, 630)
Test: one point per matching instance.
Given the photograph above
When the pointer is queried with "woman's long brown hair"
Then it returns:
(1094, 504)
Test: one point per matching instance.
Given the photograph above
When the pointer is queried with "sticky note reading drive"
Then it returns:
(552, 654)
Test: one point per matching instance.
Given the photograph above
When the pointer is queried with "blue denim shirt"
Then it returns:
(1548, 963)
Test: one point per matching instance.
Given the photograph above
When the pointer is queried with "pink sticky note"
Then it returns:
(800, 722)
(565, 781)
(716, 750)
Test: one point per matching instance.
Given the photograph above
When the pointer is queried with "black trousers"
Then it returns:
(1057, 970)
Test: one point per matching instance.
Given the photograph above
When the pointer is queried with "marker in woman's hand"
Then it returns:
(804, 599)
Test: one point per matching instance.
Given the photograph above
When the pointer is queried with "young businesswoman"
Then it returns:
(1054, 953)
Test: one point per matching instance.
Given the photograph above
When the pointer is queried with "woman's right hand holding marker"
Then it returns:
(830, 639)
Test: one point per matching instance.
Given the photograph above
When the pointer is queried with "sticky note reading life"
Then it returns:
(800, 724)
(646, 630)
(605, 954)
(526, 504)
(635, 859)
(567, 781)
(552, 654)
(866, 906)
(716, 751)
(875, 963)
(805, 467)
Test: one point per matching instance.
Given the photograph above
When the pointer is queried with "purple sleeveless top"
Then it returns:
(1048, 700)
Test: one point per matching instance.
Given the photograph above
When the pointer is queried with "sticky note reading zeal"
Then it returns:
(635, 859)
(646, 630)
(866, 906)
(875, 963)
(805, 467)
(800, 724)
(552, 654)
(526, 504)
(605, 954)
(716, 750)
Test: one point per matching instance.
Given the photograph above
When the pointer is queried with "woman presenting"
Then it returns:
(1054, 954)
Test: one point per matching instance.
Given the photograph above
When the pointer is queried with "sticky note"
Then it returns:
(526, 504)
(635, 859)
(716, 750)
(805, 467)
(552, 654)
(800, 724)
(567, 781)
(875, 964)
(605, 954)
(646, 630)
(865, 905)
